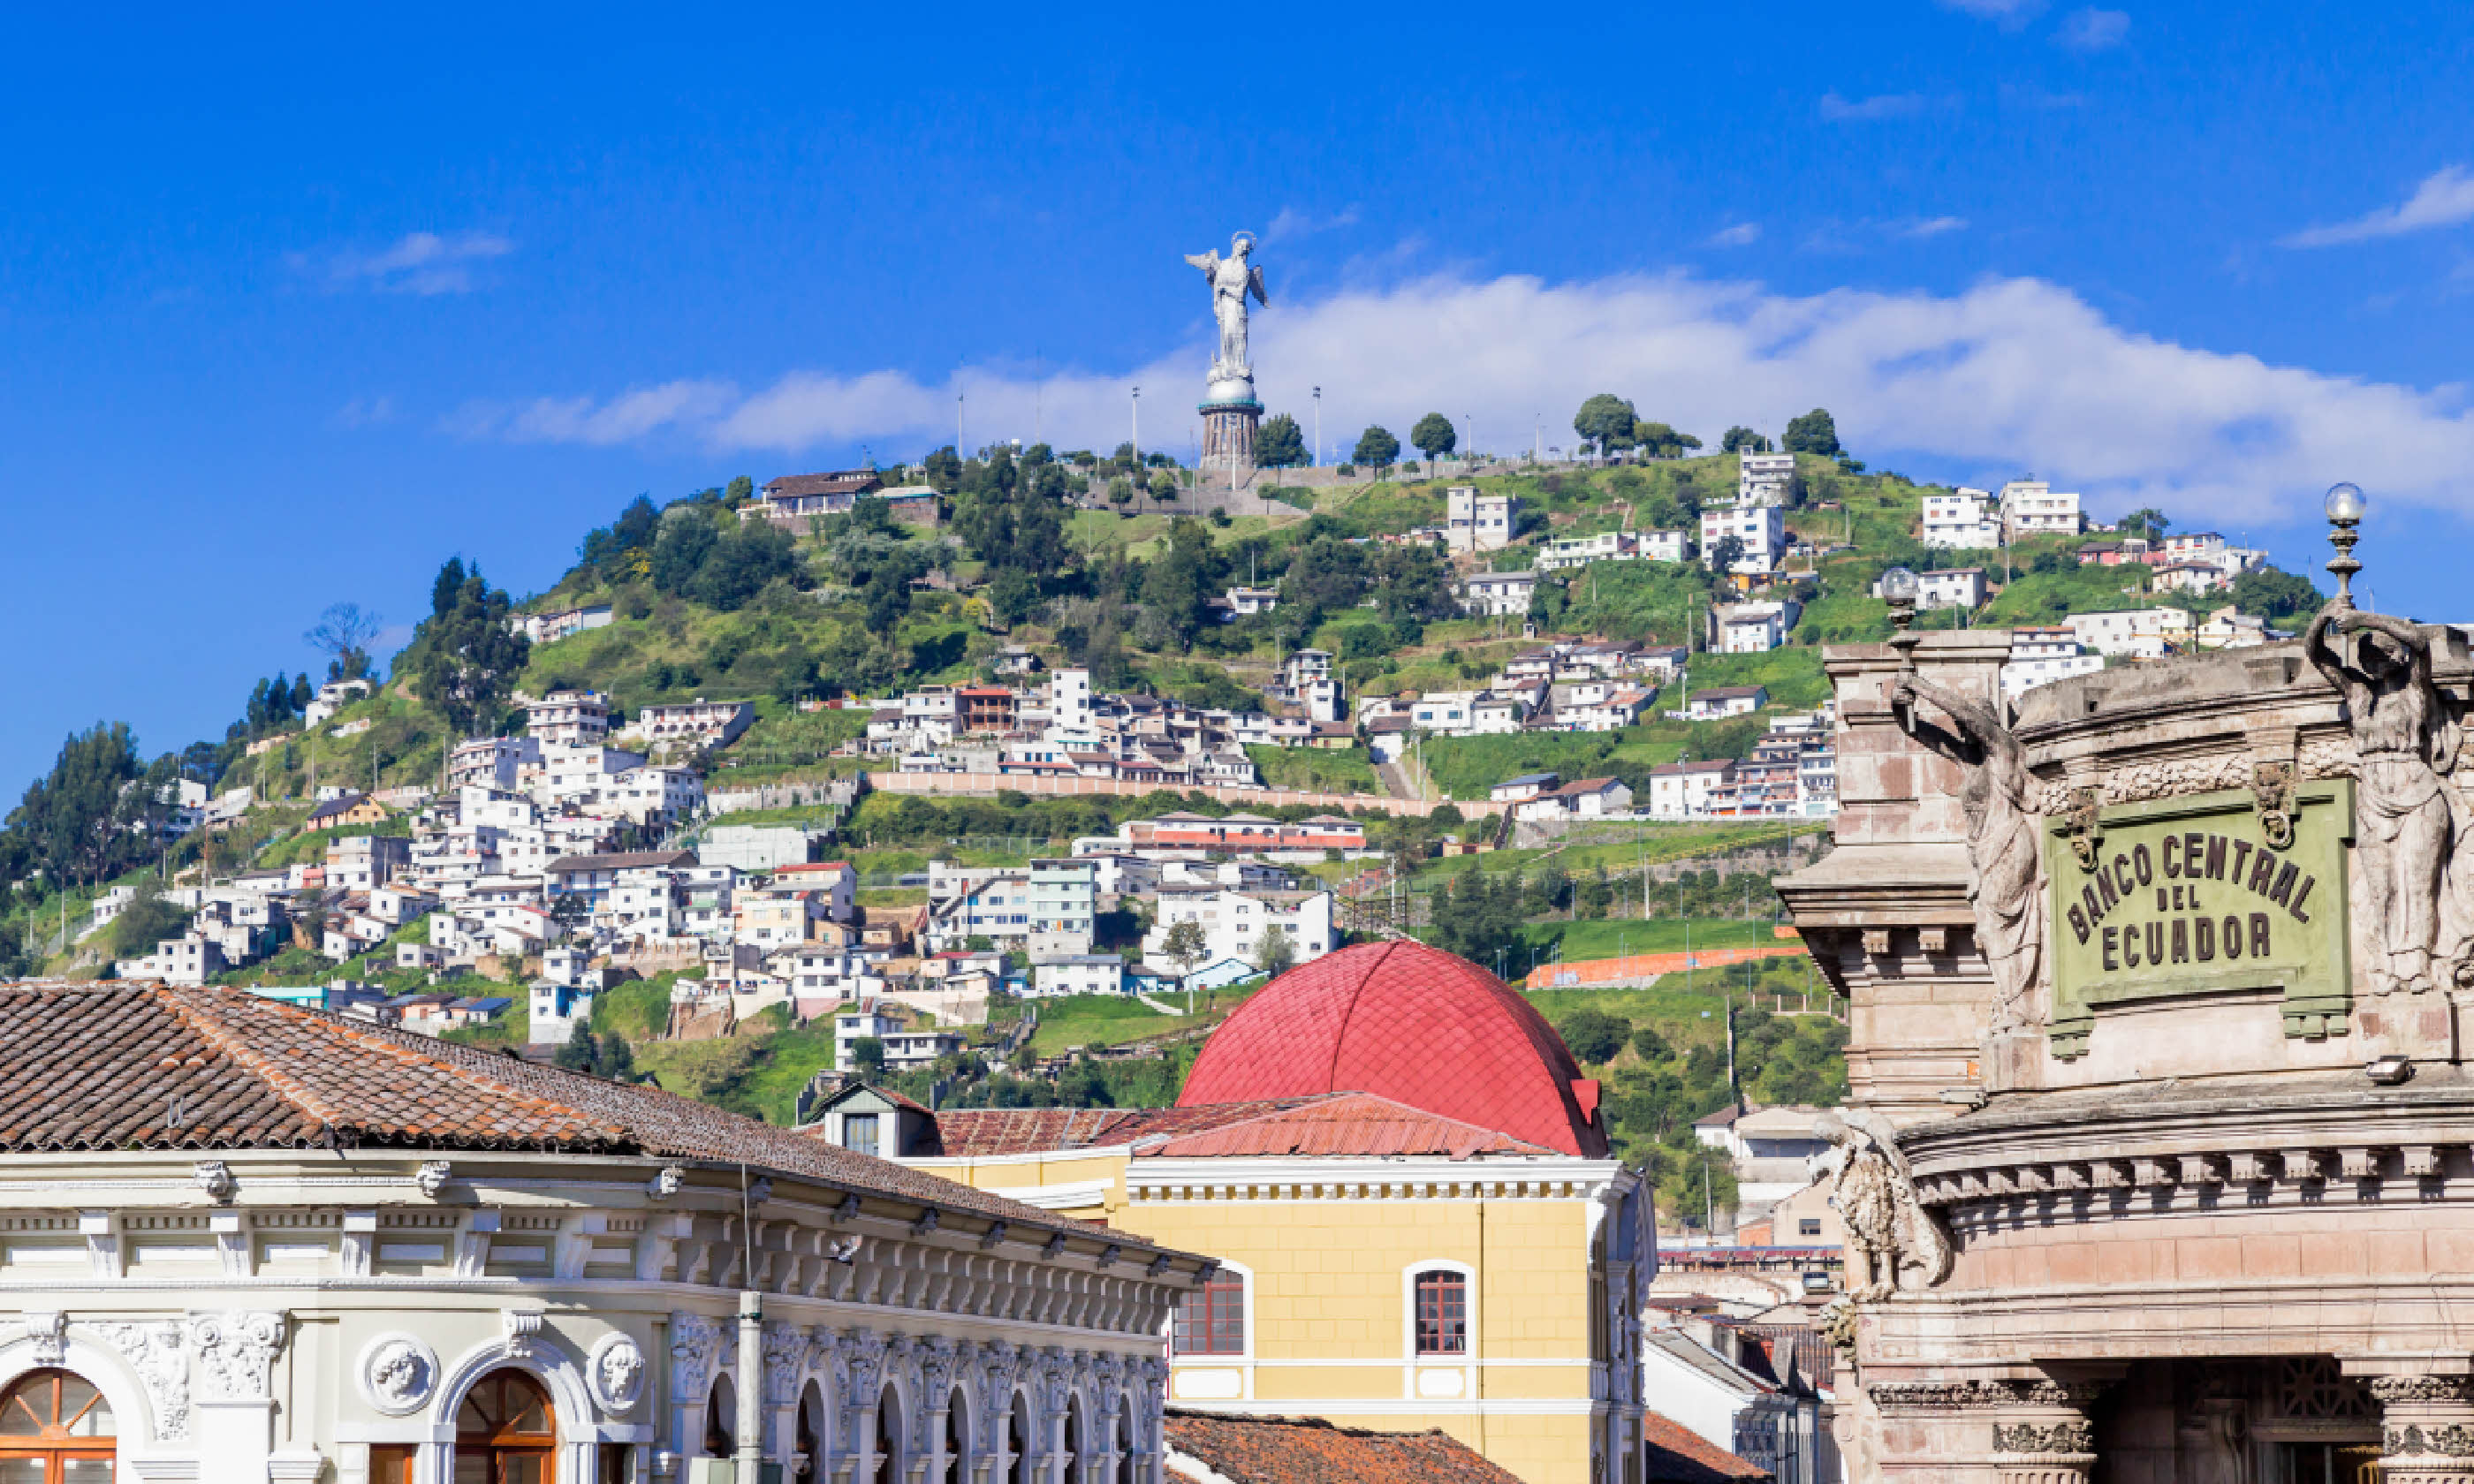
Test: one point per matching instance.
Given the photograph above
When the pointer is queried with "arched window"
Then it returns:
(810, 1449)
(505, 1434)
(1211, 1320)
(1124, 1469)
(1018, 1439)
(54, 1428)
(888, 1437)
(721, 1419)
(1443, 1312)
(958, 1436)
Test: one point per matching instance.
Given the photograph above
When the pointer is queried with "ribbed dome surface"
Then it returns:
(1411, 1023)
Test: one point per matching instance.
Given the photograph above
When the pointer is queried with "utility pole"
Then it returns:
(957, 425)
(1317, 415)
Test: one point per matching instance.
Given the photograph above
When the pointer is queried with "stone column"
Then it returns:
(1976, 1431)
(236, 1402)
(2427, 1429)
(2045, 1436)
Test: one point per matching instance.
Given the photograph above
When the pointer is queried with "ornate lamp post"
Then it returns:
(1899, 590)
(2345, 506)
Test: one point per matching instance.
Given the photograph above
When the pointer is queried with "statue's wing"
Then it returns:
(1254, 281)
(1208, 262)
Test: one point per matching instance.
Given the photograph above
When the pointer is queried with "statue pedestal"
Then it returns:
(1228, 436)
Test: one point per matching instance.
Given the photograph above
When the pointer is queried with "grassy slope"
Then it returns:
(1349, 770)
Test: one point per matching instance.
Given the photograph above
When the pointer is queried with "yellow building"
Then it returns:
(1404, 1178)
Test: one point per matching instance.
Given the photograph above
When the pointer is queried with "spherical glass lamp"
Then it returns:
(2344, 503)
(1899, 585)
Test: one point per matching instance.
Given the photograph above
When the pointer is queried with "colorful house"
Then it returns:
(1407, 1183)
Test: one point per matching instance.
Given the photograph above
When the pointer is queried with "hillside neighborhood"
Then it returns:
(1024, 849)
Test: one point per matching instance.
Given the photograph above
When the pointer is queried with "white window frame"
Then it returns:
(1413, 1365)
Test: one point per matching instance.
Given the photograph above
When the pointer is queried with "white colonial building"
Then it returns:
(256, 1244)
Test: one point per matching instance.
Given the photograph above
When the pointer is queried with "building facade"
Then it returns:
(2158, 1165)
(273, 1248)
(1405, 1242)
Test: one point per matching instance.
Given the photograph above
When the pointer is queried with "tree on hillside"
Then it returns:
(1606, 419)
(1185, 946)
(1435, 436)
(1482, 919)
(464, 658)
(603, 1056)
(2274, 594)
(1593, 1036)
(74, 819)
(1743, 439)
(1725, 552)
(738, 491)
(944, 470)
(343, 633)
(1279, 444)
(2148, 522)
(147, 920)
(1377, 446)
(1659, 441)
(1273, 953)
(1815, 432)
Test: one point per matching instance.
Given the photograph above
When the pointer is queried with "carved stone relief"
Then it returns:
(156, 1352)
(237, 1352)
(615, 1373)
(1889, 1233)
(2004, 859)
(398, 1372)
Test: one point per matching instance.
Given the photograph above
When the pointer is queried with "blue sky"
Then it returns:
(294, 307)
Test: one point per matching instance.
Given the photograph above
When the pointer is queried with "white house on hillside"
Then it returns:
(2042, 655)
(1962, 521)
(1233, 923)
(2029, 507)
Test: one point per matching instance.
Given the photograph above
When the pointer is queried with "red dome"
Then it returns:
(1411, 1023)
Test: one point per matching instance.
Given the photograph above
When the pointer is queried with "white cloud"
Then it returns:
(2011, 13)
(1928, 227)
(422, 263)
(1292, 223)
(2444, 198)
(1864, 111)
(1743, 234)
(2091, 29)
(630, 416)
(366, 412)
(2013, 373)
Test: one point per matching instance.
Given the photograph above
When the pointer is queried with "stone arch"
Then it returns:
(893, 1435)
(1078, 1436)
(717, 1410)
(1019, 1435)
(962, 1439)
(133, 1410)
(574, 1420)
(811, 1433)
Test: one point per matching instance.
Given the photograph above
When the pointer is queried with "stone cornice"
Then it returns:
(2259, 1131)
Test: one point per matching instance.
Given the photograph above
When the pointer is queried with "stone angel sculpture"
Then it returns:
(1887, 1228)
(1231, 279)
(2005, 870)
(2407, 824)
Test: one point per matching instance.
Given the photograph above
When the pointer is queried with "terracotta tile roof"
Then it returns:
(998, 1131)
(85, 1065)
(1676, 1454)
(1310, 1450)
(1345, 1124)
